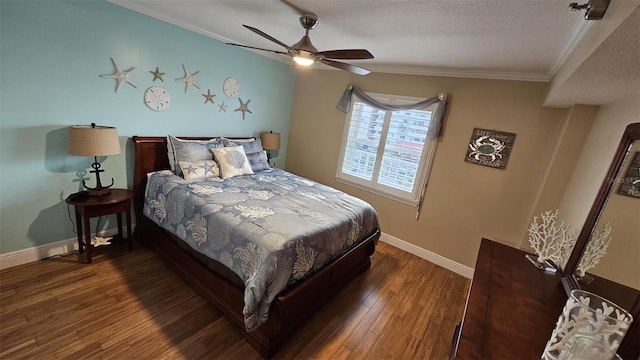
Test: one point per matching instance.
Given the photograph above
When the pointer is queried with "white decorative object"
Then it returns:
(587, 314)
(595, 250)
(188, 79)
(551, 241)
(223, 107)
(98, 241)
(120, 76)
(231, 87)
(157, 98)
(585, 348)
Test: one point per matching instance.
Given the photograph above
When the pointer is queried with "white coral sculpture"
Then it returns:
(595, 249)
(551, 241)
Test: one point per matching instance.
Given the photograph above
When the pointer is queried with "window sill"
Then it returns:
(378, 192)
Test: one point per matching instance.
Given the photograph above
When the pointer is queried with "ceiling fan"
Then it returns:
(304, 53)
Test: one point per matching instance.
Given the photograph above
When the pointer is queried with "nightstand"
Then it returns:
(118, 201)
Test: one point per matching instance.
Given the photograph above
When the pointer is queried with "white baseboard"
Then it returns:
(37, 253)
(428, 255)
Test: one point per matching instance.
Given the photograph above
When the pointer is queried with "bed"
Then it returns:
(287, 309)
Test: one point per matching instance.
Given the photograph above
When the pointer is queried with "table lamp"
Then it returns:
(270, 141)
(94, 140)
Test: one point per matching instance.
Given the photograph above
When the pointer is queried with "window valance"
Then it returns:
(436, 121)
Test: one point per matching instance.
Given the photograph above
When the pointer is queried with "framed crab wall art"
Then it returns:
(631, 183)
(490, 148)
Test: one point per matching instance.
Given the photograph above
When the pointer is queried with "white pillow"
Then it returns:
(199, 169)
(232, 160)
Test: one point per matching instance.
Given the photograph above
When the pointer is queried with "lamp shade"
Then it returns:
(270, 140)
(92, 140)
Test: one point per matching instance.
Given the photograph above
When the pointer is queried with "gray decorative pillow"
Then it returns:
(189, 150)
(250, 147)
(258, 161)
(232, 160)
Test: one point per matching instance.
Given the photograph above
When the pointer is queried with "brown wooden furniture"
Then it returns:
(118, 201)
(223, 288)
(512, 307)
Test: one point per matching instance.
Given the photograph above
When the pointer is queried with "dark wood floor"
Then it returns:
(129, 305)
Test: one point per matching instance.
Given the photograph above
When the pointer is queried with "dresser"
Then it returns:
(512, 307)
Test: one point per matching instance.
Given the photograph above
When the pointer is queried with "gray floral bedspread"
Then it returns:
(271, 228)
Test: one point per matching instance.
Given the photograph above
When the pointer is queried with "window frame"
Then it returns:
(425, 164)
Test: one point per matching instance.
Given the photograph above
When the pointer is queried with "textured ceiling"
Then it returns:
(498, 39)
(611, 72)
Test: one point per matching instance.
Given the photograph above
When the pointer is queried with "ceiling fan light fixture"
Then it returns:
(304, 53)
(305, 45)
(304, 58)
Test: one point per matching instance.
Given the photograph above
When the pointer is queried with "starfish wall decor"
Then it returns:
(188, 79)
(157, 75)
(244, 107)
(120, 76)
(208, 97)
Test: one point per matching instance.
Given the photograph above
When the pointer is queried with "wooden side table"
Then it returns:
(118, 201)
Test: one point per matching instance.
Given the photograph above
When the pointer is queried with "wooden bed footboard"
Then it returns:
(288, 311)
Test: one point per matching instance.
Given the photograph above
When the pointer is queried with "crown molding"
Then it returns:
(580, 28)
(491, 75)
(145, 11)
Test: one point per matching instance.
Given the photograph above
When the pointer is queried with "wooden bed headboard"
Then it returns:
(151, 155)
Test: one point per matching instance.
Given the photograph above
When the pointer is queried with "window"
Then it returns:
(387, 152)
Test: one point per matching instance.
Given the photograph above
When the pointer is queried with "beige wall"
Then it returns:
(562, 161)
(464, 202)
(623, 213)
(596, 156)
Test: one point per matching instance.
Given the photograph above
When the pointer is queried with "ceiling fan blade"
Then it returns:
(346, 54)
(267, 36)
(344, 66)
(257, 48)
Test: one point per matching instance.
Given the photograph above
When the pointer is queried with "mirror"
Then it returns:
(617, 275)
(622, 213)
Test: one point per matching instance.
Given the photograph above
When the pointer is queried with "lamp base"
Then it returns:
(99, 189)
(269, 159)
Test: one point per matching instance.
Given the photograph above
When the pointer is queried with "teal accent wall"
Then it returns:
(51, 56)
